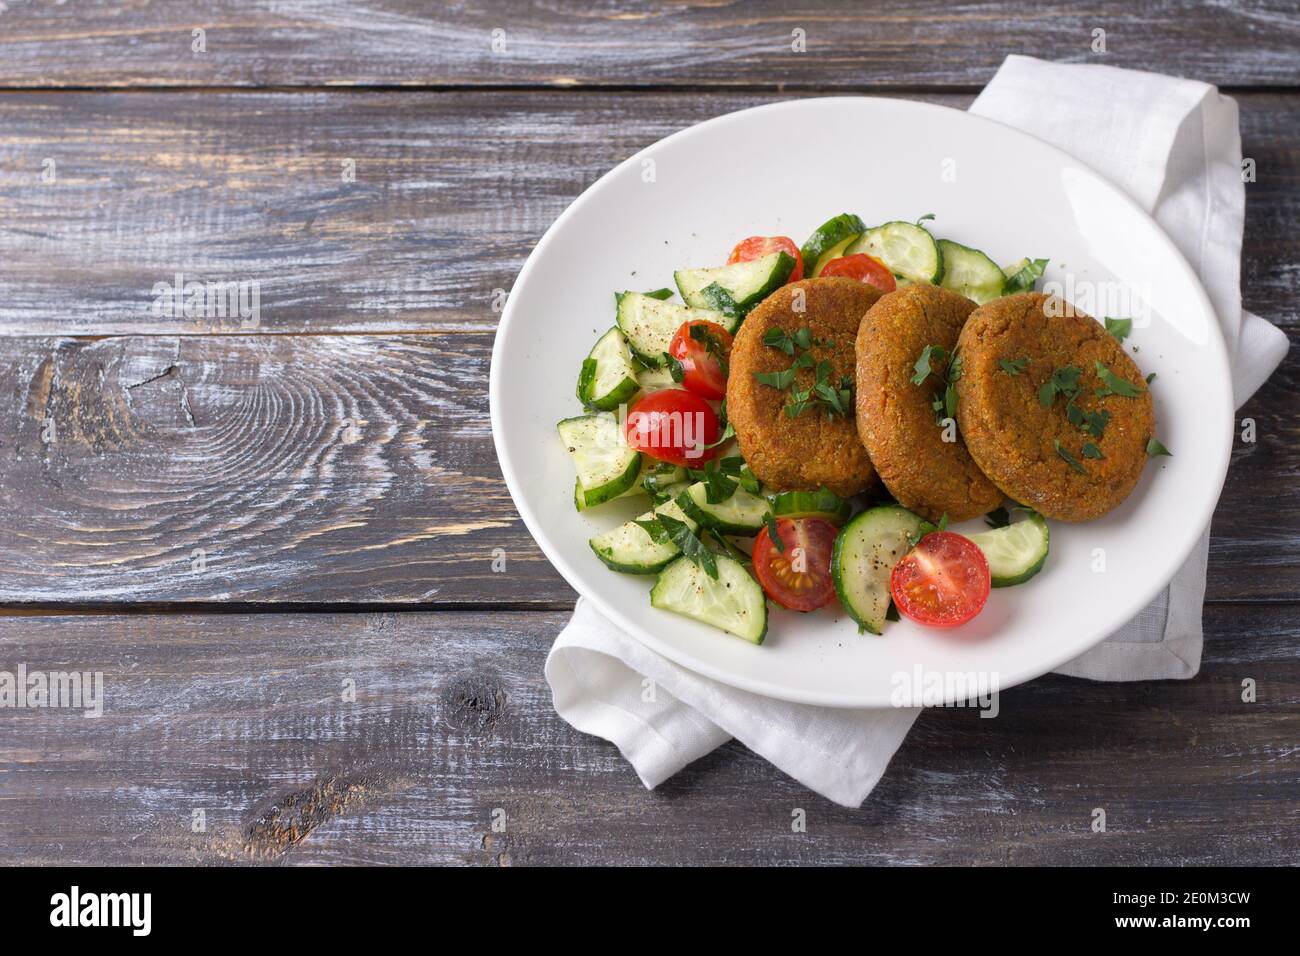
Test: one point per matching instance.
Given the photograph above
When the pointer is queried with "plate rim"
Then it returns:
(1217, 343)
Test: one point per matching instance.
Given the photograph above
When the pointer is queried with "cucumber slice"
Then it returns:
(653, 379)
(819, 249)
(742, 513)
(734, 289)
(811, 504)
(608, 377)
(1015, 553)
(606, 466)
(629, 549)
(905, 248)
(650, 324)
(734, 602)
(864, 555)
(970, 273)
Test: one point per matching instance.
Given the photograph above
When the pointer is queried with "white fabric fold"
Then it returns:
(1173, 145)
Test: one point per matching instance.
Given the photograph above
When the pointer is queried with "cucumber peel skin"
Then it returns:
(1032, 540)
(834, 252)
(822, 504)
(830, 233)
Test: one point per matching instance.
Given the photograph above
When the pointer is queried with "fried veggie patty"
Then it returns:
(1052, 408)
(897, 420)
(818, 447)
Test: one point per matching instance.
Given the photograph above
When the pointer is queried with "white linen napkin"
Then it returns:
(1173, 145)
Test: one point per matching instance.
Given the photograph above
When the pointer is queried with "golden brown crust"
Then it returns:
(896, 419)
(1010, 434)
(810, 451)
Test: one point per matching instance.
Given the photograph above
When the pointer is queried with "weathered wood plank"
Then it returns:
(360, 469)
(452, 191)
(567, 43)
(245, 719)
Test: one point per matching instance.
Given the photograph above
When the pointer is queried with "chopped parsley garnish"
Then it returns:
(692, 548)
(1151, 378)
(1155, 449)
(1024, 278)
(1070, 459)
(718, 487)
(1120, 328)
(924, 365)
(1114, 385)
(835, 398)
(1091, 451)
(1064, 381)
(1013, 366)
(770, 521)
(700, 333)
(999, 517)
(1094, 423)
(749, 481)
(674, 368)
(779, 380)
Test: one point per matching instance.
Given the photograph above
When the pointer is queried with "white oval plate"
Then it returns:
(783, 169)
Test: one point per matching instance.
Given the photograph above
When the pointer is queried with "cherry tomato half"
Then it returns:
(756, 247)
(800, 576)
(864, 268)
(703, 348)
(673, 425)
(942, 582)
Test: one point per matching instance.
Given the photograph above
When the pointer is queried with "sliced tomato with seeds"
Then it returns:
(942, 582)
(756, 247)
(673, 425)
(703, 348)
(798, 574)
(864, 268)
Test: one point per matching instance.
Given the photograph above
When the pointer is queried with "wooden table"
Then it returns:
(237, 524)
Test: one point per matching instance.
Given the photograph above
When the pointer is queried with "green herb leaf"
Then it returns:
(1095, 422)
(680, 534)
(1155, 449)
(770, 520)
(699, 332)
(778, 339)
(1120, 328)
(1013, 366)
(923, 366)
(717, 486)
(719, 299)
(1151, 378)
(728, 433)
(1023, 279)
(652, 526)
(1114, 385)
(928, 215)
(1064, 381)
(779, 380)
(1070, 459)
(749, 481)
(674, 368)
(999, 517)
(1091, 451)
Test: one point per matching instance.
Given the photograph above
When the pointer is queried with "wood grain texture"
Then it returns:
(452, 192)
(244, 718)
(571, 43)
(359, 469)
